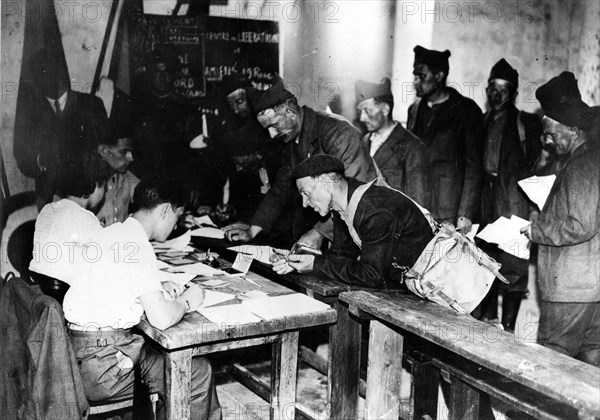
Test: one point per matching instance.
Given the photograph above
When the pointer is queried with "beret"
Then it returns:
(266, 99)
(366, 90)
(436, 59)
(232, 83)
(561, 100)
(317, 165)
(503, 70)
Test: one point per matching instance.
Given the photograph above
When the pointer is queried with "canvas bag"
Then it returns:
(451, 271)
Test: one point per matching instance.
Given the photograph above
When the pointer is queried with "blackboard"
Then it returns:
(200, 51)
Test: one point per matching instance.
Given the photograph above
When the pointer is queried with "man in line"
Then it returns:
(566, 230)
(116, 149)
(383, 227)
(451, 126)
(399, 155)
(511, 148)
(120, 285)
(304, 132)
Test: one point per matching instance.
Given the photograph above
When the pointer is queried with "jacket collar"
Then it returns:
(310, 130)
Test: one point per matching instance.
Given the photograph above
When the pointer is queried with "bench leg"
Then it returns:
(463, 401)
(425, 389)
(383, 372)
(283, 376)
(178, 372)
(344, 366)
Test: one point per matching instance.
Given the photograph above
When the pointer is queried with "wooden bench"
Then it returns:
(476, 359)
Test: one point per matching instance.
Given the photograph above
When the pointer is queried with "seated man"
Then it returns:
(382, 226)
(116, 149)
(64, 228)
(120, 286)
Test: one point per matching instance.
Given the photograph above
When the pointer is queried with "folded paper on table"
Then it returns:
(199, 269)
(179, 278)
(507, 234)
(204, 220)
(257, 252)
(175, 244)
(286, 305)
(229, 315)
(214, 298)
(209, 232)
(538, 188)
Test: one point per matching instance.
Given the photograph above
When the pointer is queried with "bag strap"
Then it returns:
(352, 207)
(437, 291)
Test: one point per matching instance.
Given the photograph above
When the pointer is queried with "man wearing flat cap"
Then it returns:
(512, 145)
(377, 231)
(566, 230)
(304, 132)
(400, 157)
(451, 126)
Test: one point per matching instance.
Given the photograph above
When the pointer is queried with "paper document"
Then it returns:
(209, 232)
(204, 220)
(175, 244)
(473, 232)
(229, 315)
(287, 305)
(199, 269)
(507, 234)
(257, 252)
(213, 298)
(179, 278)
(537, 188)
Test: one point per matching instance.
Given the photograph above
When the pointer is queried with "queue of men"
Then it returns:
(369, 197)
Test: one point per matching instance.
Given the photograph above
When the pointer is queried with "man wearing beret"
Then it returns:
(452, 128)
(382, 226)
(400, 157)
(304, 132)
(566, 230)
(512, 145)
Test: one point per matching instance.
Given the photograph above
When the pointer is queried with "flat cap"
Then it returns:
(317, 165)
(367, 90)
(266, 99)
(503, 70)
(232, 83)
(432, 58)
(561, 100)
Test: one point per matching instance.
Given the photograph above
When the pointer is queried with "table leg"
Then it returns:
(283, 376)
(344, 365)
(383, 372)
(463, 401)
(178, 381)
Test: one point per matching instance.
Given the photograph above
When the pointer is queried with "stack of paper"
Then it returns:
(507, 234)
(179, 278)
(200, 269)
(176, 244)
(257, 252)
(213, 298)
(208, 232)
(538, 188)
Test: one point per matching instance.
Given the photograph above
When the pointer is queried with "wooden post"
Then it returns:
(178, 372)
(425, 386)
(463, 400)
(344, 365)
(283, 376)
(383, 372)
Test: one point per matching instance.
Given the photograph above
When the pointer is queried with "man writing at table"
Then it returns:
(121, 284)
(380, 225)
(304, 132)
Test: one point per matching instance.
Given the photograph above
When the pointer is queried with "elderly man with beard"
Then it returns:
(451, 126)
(400, 156)
(511, 148)
(566, 230)
(304, 132)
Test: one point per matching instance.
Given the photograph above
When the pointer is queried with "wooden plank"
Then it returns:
(344, 365)
(232, 345)
(555, 375)
(283, 376)
(178, 372)
(463, 401)
(425, 386)
(383, 372)
(313, 360)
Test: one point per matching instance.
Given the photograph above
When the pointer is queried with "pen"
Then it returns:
(253, 282)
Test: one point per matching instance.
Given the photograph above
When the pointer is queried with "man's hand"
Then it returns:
(526, 230)
(194, 295)
(241, 233)
(312, 238)
(464, 224)
(173, 289)
(302, 263)
(187, 220)
(279, 260)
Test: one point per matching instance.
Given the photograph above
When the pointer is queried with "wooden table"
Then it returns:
(195, 335)
(475, 358)
(342, 367)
